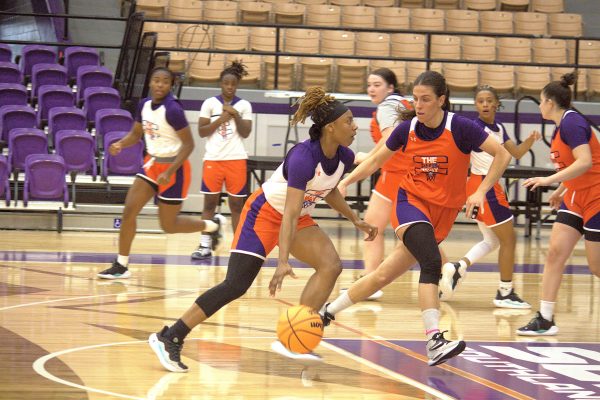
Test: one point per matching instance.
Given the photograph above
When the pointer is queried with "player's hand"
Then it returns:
(538, 181)
(283, 269)
(115, 148)
(369, 229)
(230, 110)
(476, 200)
(535, 135)
(163, 178)
(556, 199)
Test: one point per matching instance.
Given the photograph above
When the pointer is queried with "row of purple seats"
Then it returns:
(50, 97)
(77, 147)
(33, 54)
(56, 74)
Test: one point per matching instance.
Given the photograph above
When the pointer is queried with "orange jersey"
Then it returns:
(436, 169)
(561, 155)
(394, 164)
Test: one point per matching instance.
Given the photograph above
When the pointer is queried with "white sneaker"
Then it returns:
(440, 350)
(452, 276)
(307, 359)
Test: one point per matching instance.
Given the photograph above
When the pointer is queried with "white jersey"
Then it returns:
(225, 143)
(480, 160)
(161, 137)
(317, 189)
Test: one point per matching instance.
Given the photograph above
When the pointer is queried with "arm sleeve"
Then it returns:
(138, 111)
(205, 109)
(176, 116)
(245, 110)
(299, 167)
(468, 136)
(575, 132)
(347, 157)
(399, 136)
(387, 114)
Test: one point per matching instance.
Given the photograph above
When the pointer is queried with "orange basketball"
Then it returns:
(300, 329)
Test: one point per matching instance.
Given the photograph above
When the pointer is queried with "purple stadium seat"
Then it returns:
(47, 74)
(97, 98)
(15, 117)
(33, 54)
(4, 184)
(92, 76)
(112, 119)
(5, 53)
(128, 162)
(51, 96)
(45, 178)
(23, 142)
(61, 118)
(76, 57)
(10, 73)
(12, 94)
(77, 147)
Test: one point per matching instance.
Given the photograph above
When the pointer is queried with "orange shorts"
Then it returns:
(387, 184)
(257, 232)
(584, 205)
(232, 172)
(496, 209)
(178, 185)
(410, 209)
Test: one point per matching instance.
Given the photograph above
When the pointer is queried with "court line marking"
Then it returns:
(392, 374)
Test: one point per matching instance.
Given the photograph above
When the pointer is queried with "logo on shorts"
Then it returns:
(431, 166)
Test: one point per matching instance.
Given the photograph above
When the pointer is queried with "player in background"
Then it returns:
(496, 223)
(225, 120)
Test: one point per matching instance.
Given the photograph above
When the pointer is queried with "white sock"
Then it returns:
(123, 260)
(462, 263)
(547, 309)
(205, 240)
(431, 320)
(339, 304)
(489, 243)
(210, 226)
(505, 288)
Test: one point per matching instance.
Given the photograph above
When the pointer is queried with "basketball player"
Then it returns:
(382, 87)
(575, 152)
(166, 173)
(496, 224)
(279, 214)
(225, 120)
(435, 145)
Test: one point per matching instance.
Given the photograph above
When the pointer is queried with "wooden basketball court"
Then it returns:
(66, 335)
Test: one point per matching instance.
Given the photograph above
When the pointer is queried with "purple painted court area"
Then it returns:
(161, 259)
(548, 371)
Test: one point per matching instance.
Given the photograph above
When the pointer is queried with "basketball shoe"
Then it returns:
(511, 300)
(116, 271)
(452, 275)
(440, 350)
(326, 316)
(306, 359)
(167, 351)
(206, 247)
(538, 326)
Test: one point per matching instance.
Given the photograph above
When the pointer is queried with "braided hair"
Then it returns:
(236, 69)
(320, 107)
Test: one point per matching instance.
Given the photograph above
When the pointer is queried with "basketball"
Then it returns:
(300, 329)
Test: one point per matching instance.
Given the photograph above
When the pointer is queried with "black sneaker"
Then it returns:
(538, 326)
(440, 350)
(512, 300)
(116, 271)
(167, 351)
(326, 316)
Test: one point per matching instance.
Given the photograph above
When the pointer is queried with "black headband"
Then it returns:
(337, 110)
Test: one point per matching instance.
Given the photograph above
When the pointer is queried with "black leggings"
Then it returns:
(241, 272)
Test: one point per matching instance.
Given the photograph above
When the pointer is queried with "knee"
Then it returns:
(129, 213)
(431, 270)
(595, 268)
(332, 268)
(236, 206)
(168, 226)
(236, 288)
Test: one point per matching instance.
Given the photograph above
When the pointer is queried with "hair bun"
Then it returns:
(568, 79)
